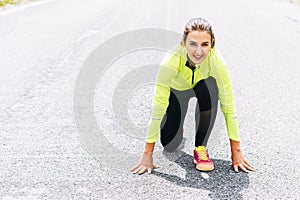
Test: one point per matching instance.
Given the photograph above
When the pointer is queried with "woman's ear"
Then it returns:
(182, 42)
(212, 42)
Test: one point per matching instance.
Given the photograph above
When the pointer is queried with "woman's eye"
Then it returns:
(193, 44)
(205, 44)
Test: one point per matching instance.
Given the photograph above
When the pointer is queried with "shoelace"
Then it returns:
(201, 150)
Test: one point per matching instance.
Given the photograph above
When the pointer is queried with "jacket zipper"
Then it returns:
(193, 76)
(193, 70)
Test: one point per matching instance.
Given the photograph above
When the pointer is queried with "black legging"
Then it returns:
(206, 92)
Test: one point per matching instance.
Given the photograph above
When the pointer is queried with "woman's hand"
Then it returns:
(238, 160)
(146, 164)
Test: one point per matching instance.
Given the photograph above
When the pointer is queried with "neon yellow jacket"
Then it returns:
(174, 74)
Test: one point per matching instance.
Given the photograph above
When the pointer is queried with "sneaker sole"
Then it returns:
(203, 170)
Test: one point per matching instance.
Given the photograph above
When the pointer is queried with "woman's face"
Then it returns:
(198, 44)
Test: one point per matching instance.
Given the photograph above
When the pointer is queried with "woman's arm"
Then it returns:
(149, 147)
(220, 72)
(161, 96)
(167, 71)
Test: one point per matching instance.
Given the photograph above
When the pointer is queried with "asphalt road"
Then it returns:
(76, 85)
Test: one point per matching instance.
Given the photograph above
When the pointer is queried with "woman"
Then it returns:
(195, 69)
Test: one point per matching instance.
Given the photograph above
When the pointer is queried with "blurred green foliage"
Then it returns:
(4, 2)
(295, 1)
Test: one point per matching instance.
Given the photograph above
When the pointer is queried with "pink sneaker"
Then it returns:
(202, 160)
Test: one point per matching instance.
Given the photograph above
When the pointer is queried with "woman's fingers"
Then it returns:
(151, 168)
(142, 170)
(155, 166)
(135, 167)
(249, 166)
(235, 168)
(244, 166)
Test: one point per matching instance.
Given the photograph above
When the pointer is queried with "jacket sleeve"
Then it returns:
(220, 73)
(168, 69)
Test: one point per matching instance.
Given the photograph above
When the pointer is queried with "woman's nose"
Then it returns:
(198, 49)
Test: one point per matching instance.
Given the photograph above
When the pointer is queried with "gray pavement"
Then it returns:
(50, 149)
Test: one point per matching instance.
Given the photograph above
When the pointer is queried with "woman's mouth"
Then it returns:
(197, 57)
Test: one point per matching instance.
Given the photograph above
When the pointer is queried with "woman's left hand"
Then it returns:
(238, 161)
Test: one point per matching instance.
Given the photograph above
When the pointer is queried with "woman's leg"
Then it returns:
(172, 123)
(206, 92)
(206, 120)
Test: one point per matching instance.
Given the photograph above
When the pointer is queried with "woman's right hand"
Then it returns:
(146, 164)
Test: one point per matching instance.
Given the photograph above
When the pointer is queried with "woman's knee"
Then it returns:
(171, 142)
(213, 91)
(206, 92)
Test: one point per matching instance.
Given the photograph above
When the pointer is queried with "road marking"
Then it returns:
(204, 175)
